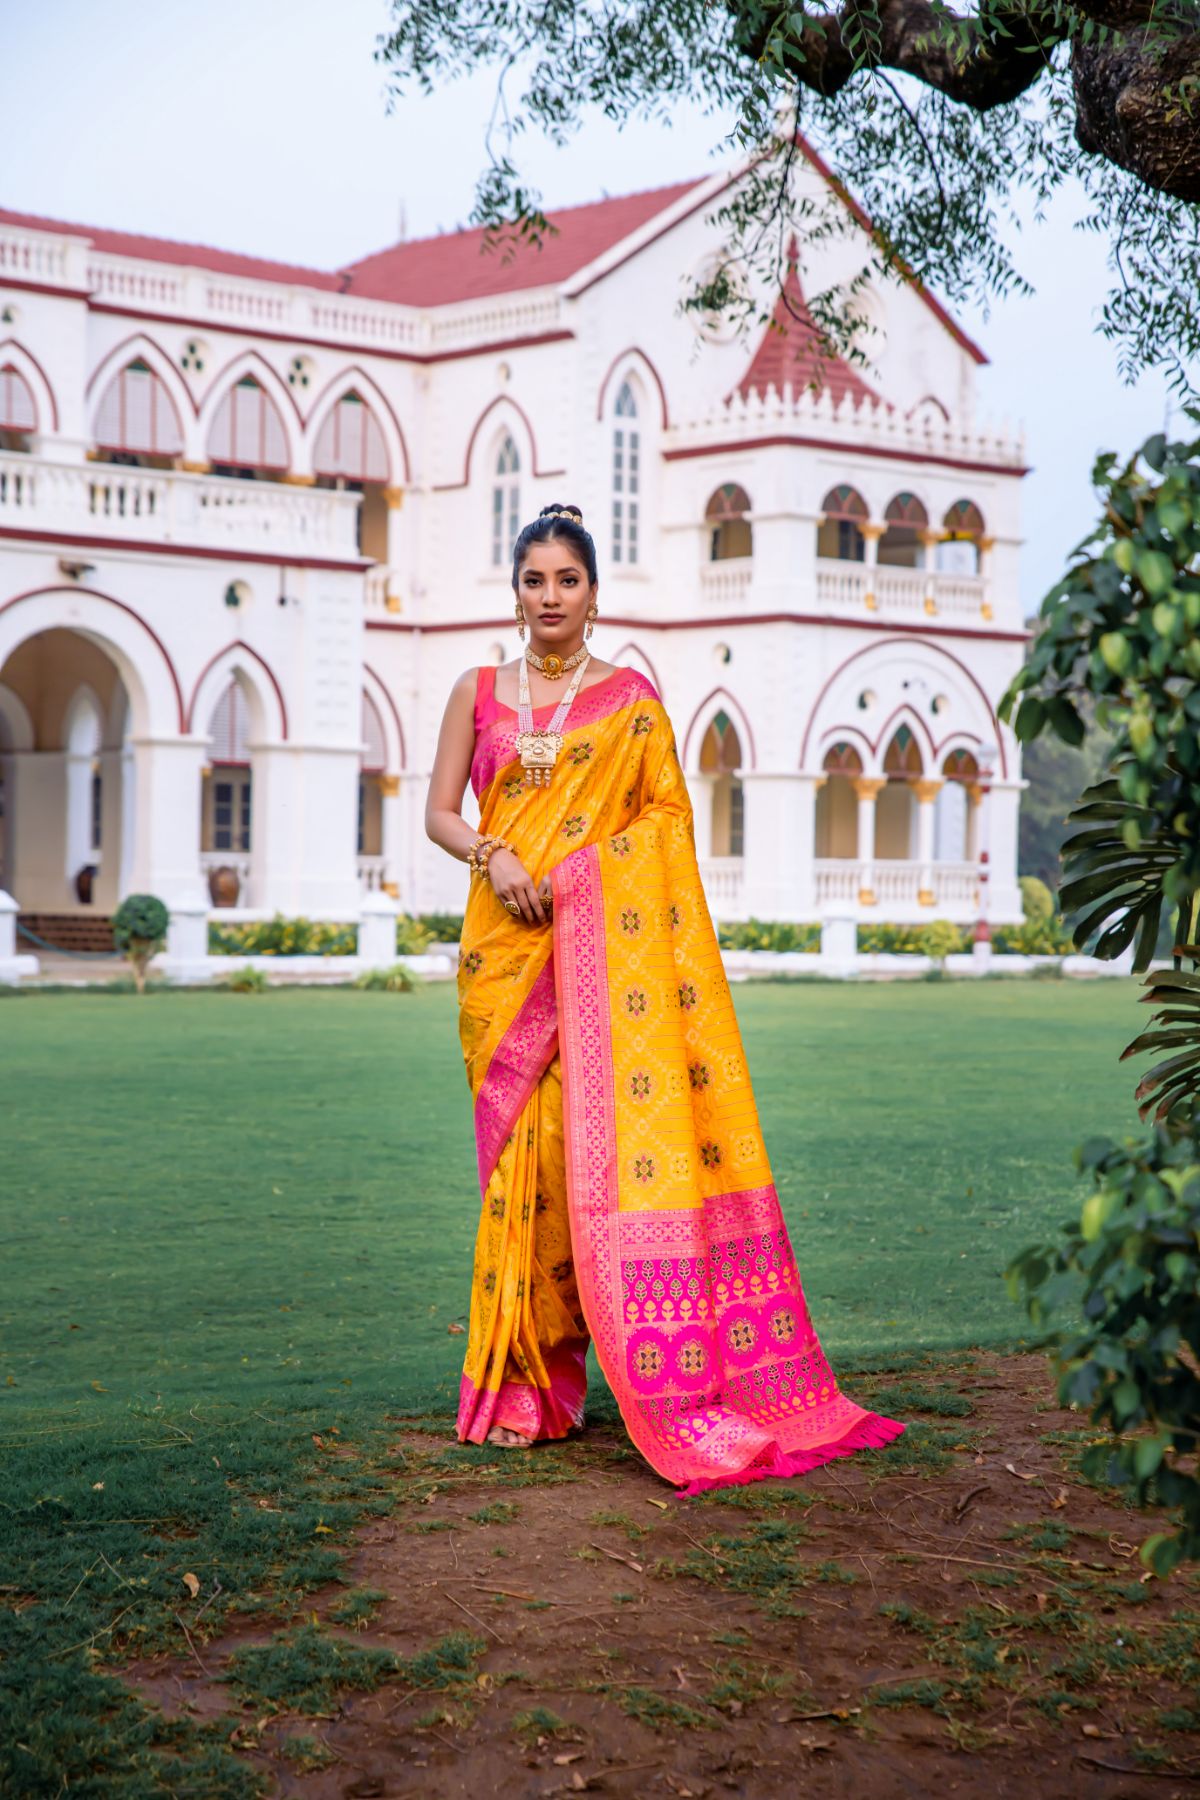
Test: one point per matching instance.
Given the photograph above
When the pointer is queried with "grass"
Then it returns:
(236, 1231)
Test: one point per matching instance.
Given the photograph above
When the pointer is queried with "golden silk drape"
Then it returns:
(627, 1195)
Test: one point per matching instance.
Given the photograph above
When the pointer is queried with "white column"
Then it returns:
(867, 789)
(166, 836)
(115, 767)
(36, 851)
(700, 792)
(391, 839)
(780, 818)
(12, 966)
(1003, 803)
(304, 856)
(78, 834)
(926, 794)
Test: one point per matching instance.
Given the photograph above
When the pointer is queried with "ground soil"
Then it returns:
(961, 1613)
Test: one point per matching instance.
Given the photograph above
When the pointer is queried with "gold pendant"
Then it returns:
(538, 751)
(552, 666)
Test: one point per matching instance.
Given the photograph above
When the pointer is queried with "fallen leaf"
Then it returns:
(1092, 1731)
(1060, 1499)
(567, 1757)
(96, 1486)
(99, 1388)
(328, 1529)
(455, 1329)
(1018, 1474)
(192, 1584)
(661, 1504)
(680, 1674)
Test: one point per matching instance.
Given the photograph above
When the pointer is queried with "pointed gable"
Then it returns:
(793, 353)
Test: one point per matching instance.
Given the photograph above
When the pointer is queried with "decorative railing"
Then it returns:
(724, 880)
(372, 873)
(726, 584)
(918, 891)
(382, 592)
(169, 507)
(892, 592)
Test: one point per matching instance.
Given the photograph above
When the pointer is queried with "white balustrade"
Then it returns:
(372, 873)
(35, 256)
(842, 586)
(382, 589)
(726, 584)
(837, 878)
(892, 592)
(167, 506)
(896, 884)
(899, 590)
(723, 878)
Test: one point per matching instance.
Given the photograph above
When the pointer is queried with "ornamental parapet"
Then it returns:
(82, 501)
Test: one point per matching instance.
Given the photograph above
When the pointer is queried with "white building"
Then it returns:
(254, 520)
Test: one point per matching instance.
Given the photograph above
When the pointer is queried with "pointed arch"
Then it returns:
(639, 660)
(275, 433)
(905, 740)
(16, 356)
(886, 666)
(16, 726)
(393, 730)
(141, 344)
(849, 737)
(136, 413)
(719, 700)
(507, 408)
(254, 675)
(83, 709)
(652, 381)
(356, 380)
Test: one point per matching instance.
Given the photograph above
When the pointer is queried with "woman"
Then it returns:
(627, 1196)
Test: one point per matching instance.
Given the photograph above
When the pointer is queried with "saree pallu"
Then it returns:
(627, 1195)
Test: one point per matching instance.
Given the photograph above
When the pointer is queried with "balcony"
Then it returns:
(723, 878)
(896, 593)
(165, 507)
(725, 586)
(904, 891)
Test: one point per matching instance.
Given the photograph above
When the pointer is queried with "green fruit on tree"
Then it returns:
(1117, 652)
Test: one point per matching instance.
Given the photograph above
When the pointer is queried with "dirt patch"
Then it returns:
(958, 1613)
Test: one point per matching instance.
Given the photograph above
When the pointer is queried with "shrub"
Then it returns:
(1036, 937)
(443, 928)
(1135, 1360)
(396, 980)
(412, 935)
(938, 940)
(1037, 902)
(246, 980)
(139, 931)
(758, 934)
(281, 936)
(907, 940)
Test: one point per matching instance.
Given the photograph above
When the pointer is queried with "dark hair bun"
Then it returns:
(559, 506)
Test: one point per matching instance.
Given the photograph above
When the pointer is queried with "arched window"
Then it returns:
(721, 757)
(840, 534)
(626, 478)
(836, 831)
(247, 432)
(963, 528)
(350, 444)
(136, 417)
(18, 410)
(370, 789)
(842, 759)
(729, 529)
(225, 810)
(902, 544)
(506, 502)
(960, 765)
(903, 756)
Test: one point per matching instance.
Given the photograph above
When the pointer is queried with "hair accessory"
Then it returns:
(575, 517)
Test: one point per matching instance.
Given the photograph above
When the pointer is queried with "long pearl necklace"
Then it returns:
(539, 747)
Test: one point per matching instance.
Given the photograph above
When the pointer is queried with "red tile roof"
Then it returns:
(168, 250)
(792, 350)
(440, 270)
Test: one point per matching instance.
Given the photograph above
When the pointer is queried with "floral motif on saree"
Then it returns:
(627, 1195)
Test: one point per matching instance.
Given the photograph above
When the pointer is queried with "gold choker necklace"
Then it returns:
(552, 666)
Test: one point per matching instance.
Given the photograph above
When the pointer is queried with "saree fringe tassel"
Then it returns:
(627, 1194)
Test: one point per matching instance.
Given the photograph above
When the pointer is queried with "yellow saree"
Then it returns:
(627, 1195)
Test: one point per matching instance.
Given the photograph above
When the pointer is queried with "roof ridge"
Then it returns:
(10, 215)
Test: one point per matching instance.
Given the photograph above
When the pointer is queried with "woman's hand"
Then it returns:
(511, 880)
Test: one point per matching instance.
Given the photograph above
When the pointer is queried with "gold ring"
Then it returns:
(512, 906)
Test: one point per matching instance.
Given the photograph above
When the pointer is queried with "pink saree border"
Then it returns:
(537, 1413)
(517, 1064)
(496, 724)
(725, 1447)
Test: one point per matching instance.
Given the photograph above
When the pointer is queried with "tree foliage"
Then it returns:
(139, 929)
(943, 123)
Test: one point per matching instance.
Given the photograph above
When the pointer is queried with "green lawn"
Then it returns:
(273, 1196)
(237, 1226)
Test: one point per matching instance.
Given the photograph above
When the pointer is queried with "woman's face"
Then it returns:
(552, 587)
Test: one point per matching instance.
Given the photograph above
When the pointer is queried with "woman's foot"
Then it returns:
(508, 1440)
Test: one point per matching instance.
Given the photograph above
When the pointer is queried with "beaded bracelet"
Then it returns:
(481, 850)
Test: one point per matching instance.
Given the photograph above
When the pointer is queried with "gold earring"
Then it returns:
(593, 613)
(520, 621)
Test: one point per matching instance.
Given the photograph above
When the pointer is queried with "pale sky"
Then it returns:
(261, 127)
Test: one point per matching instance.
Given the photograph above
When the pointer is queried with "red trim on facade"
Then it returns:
(856, 211)
(392, 708)
(739, 709)
(212, 326)
(949, 654)
(239, 644)
(815, 443)
(42, 287)
(450, 487)
(347, 379)
(122, 546)
(638, 651)
(633, 350)
(141, 337)
(219, 386)
(904, 710)
(12, 343)
(735, 620)
(95, 594)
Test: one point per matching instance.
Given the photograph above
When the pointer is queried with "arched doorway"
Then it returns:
(721, 760)
(896, 807)
(837, 803)
(65, 786)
